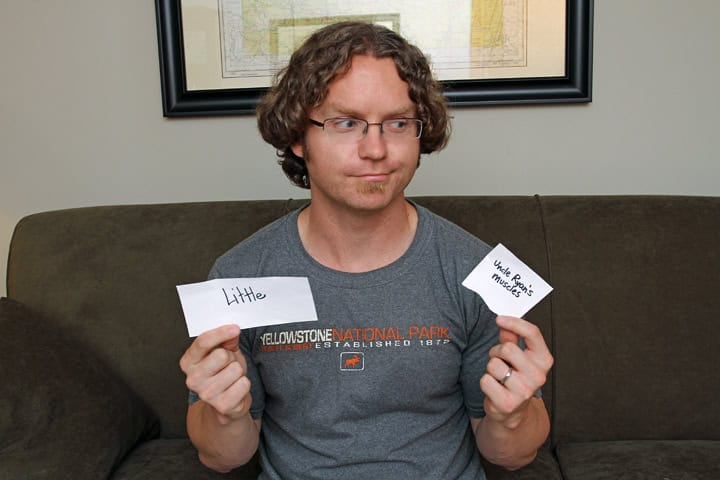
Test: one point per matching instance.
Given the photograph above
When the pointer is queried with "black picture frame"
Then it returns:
(574, 87)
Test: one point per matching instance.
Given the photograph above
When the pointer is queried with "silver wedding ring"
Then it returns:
(505, 377)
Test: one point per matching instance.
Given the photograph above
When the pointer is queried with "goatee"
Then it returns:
(371, 187)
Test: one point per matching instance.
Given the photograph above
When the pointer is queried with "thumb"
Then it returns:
(232, 344)
(506, 336)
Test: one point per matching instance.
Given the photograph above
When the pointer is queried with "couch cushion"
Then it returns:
(175, 459)
(638, 460)
(544, 467)
(63, 414)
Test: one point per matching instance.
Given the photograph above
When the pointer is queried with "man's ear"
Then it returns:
(298, 150)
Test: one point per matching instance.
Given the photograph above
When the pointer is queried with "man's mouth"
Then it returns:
(374, 177)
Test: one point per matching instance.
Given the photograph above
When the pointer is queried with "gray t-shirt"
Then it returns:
(382, 385)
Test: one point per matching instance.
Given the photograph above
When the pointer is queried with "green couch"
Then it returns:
(92, 331)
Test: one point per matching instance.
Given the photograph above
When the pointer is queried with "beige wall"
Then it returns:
(81, 121)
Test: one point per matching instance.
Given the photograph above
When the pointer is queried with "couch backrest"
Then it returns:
(109, 273)
(636, 316)
(632, 321)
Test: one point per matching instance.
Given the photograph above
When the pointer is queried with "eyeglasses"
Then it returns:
(348, 129)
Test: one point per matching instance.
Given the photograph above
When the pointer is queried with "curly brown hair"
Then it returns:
(283, 112)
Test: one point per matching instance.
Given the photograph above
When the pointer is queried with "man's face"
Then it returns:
(372, 172)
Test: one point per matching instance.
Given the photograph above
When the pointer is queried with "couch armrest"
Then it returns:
(63, 414)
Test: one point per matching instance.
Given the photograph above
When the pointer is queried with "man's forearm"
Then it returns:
(221, 446)
(513, 446)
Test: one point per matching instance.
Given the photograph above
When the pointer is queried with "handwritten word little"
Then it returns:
(247, 295)
(511, 284)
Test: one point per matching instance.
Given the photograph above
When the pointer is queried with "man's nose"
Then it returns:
(372, 146)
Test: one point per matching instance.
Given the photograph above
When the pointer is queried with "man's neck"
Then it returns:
(357, 241)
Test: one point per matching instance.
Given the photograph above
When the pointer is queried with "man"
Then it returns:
(406, 374)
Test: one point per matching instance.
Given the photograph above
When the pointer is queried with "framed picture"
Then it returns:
(217, 57)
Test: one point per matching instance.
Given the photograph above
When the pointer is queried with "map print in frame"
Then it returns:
(475, 39)
(219, 56)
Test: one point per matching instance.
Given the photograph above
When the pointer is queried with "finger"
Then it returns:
(529, 372)
(510, 353)
(219, 382)
(217, 361)
(498, 369)
(536, 350)
(501, 404)
(202, 375)
(500, 398)
(208, 341)
(522, 328)
(532, 363)
(235, 401)
(516, 383)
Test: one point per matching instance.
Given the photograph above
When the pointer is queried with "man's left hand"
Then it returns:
(514, 374)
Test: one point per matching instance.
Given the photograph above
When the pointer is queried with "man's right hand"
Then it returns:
(215, 369)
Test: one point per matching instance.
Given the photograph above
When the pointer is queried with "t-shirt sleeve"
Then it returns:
(257, 390)
(482, 335)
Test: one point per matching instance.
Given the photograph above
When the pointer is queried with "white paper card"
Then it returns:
(506, 284)
(247, 302)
